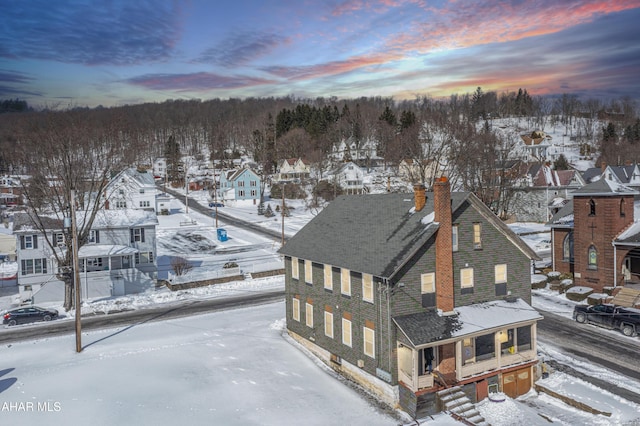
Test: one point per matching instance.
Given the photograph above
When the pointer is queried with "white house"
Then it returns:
(160, 168)
(293, 168)
(351, 150)
(350, 177)
(118, 258)
(131, 189)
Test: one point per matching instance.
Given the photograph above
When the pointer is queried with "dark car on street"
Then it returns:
(28, 314)
(627, 320)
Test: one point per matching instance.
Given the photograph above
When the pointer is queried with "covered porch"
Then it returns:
(106, 257)
(437, 351)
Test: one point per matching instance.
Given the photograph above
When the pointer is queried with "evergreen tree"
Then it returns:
(561, 163)
(173, 158)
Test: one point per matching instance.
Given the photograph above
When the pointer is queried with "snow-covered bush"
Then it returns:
(538, 281)
(579, 293)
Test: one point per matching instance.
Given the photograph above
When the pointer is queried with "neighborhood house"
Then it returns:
(415, 295)
(118, 258)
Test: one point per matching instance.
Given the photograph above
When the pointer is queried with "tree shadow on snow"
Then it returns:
(6, 383)
(129, 327)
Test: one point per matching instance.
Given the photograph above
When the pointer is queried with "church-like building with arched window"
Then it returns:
(596, 237)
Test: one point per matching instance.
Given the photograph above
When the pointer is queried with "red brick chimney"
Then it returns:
(419, 196)
(444, 245)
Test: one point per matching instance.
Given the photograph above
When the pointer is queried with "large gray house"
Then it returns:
(411, 294)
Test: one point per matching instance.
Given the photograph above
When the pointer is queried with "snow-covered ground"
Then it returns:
(238, 367)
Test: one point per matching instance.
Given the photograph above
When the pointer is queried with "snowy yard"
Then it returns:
(237, 366)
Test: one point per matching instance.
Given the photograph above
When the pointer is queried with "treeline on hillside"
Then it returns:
(457, 132)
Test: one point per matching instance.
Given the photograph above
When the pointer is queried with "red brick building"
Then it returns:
(594, 236)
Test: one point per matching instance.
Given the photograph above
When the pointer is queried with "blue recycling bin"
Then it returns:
(222, 234)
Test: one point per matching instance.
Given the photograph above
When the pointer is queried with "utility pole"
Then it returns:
(283, 185)
(76, 271)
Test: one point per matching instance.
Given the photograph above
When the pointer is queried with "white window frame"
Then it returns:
(328, 324)
(28, 242)
(501, 273)
(428, 283)
(308, 272)
(346, 332)
(308, 314)
(345, 282)
(466, 278)
(295, 309)
(367, 288)
(328, 277)
(369, 341)
(295, 268)
(477, 235)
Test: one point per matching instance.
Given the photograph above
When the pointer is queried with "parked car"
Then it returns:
(627, 320)
(28, 314)
(216, 204)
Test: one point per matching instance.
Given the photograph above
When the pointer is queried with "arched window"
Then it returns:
(622, 207)
(567, 247)
(593, 258)
(592, 208)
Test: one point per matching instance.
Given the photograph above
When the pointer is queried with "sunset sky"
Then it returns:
(114, 52)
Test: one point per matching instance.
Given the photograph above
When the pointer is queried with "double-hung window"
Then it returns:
(369, 335)
(345, 281)
(367, 287)
(137, 235)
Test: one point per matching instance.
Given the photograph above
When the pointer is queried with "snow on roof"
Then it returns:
(123, 218)
(495, 314)
(96, 250)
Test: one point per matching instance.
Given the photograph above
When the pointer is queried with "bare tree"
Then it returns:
(180, 266)
(65, 152)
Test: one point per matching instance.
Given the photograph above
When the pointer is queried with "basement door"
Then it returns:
(516, 383)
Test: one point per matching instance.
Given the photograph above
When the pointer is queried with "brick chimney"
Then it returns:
(603, 166)
(419, 196)
(444, 245)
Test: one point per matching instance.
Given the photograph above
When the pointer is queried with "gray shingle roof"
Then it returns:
(426, 327)
(373, 234)
(603, 187)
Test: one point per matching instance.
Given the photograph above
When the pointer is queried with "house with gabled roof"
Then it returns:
(239, 184)
(131, 188)
(293, 169)
(596, 236)
(349, 176)
(535, 145)
(414, 294)
(628, 175)
(118, 258)
(541, 191)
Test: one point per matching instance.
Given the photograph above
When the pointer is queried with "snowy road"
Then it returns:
(135, 317)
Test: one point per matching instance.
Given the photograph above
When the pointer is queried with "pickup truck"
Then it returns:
(627, 320)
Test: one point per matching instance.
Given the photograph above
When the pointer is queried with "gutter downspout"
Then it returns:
(388, 291)
(615, 264)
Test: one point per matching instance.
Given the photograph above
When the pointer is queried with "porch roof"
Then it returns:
(428, 327)
(103, 250)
